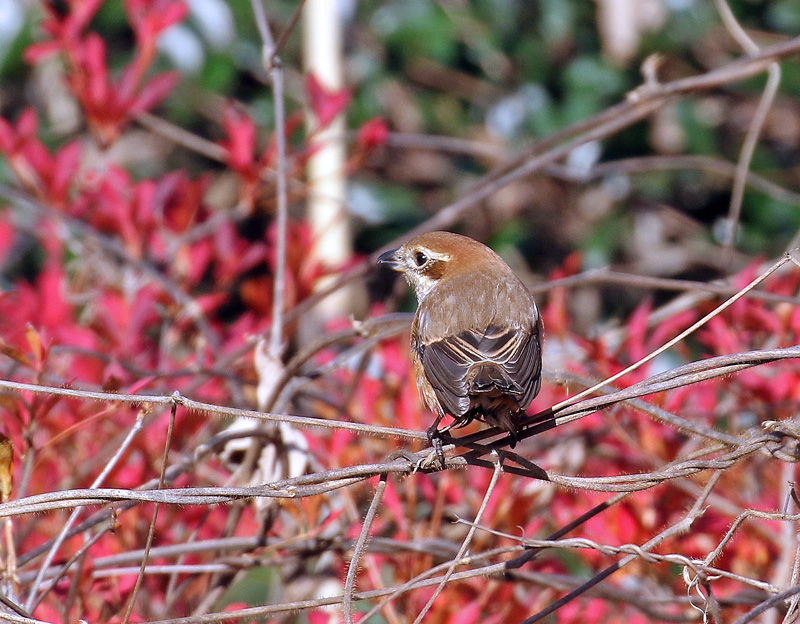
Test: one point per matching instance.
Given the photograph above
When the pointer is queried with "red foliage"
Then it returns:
(47, 177)
(110, 104)
(324, 103)
(372, 134)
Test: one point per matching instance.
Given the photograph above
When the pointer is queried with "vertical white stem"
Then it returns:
(326, 169)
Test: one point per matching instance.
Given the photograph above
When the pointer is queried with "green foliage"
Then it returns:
(415, 28)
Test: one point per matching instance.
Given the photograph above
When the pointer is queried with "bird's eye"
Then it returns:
(420, 258)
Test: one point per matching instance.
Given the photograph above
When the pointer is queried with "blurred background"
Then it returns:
(462, 88)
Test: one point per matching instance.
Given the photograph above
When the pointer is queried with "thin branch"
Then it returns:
(705, 163)
(609, 276)
(19, 619)
(756, 125)
(137, 399)
(352, 569)
(693, 372)
(152, 530)
(775, 601)
(320, 482)
(273, 65)
(182, 137)
(682, 526)
(634, 165)
(113, 248)
(284, 36)
(716, 311)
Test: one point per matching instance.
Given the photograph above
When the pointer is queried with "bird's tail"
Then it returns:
(496, 394)
(490, 377)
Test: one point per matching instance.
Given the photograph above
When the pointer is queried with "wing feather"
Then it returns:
(516, 352)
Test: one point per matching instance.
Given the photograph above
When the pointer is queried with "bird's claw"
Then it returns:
(435, 440)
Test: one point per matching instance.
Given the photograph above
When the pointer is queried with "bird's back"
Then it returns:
(478, 343)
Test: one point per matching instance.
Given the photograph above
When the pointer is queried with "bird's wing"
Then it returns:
(447, 363)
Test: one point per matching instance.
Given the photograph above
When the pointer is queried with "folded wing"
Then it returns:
(499, 360)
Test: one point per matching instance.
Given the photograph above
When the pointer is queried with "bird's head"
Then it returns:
(428, 259)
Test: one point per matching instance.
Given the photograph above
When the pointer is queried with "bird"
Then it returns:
(476, 336)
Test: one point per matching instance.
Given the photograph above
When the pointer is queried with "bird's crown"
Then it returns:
(428, 258)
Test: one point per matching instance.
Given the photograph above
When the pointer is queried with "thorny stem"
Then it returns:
(352, 569)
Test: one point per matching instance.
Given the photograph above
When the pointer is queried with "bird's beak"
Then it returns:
(390, 258)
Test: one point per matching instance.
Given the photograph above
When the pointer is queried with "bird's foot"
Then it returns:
(435, 440)
(513, 434)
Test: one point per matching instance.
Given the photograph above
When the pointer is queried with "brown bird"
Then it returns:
(476, 336)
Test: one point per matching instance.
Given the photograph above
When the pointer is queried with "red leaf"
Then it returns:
(373, 133)
(37, 51)
(155, 91)
(139, 385)
(35, 343)
(637, 331)
(8, 234)
(241, 138)
(7, 137)
(93, 73)
(332, 517)
(325, 104)
(27, 124)
(18, 355)
(154, 16)
(57, 312)
(65, 167)
(672, 326)
(173, 14)
(466, 614)
(81, 13)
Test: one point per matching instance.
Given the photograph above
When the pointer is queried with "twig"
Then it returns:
(289, 28)
(273, 65)
(19, 619)
(661, 415)
(301, 421)
(352, 569)
(181, 136)
(693, 372)
(609, 276)
(768, 604)
(754, 131)
(151, 532)
(695, 512)
(189, 306)
(310, 484)
(791, 611)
